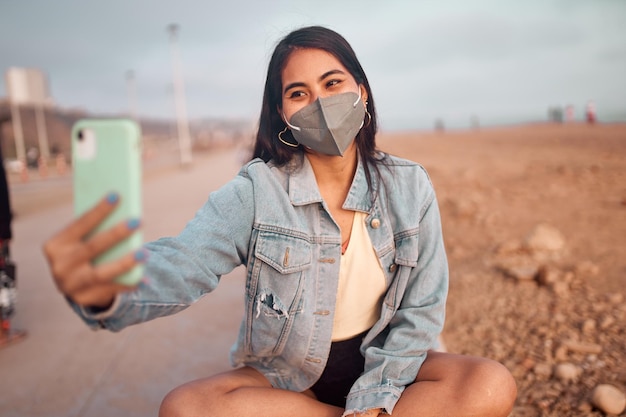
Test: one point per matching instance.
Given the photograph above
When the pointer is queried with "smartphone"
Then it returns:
(106, 157)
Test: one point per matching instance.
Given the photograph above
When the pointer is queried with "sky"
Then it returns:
(497, 61)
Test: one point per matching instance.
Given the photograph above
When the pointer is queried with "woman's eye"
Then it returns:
(296, 94)
(332, 83)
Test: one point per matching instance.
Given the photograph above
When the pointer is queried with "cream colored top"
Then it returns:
(361, 284)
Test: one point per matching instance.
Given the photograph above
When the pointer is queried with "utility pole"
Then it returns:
(42, 132)
(184, 138)
(18, 133)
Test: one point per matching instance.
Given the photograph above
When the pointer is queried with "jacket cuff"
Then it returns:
(95, 317)
(385, 397)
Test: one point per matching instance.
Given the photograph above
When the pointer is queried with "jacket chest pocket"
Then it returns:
(401, 261)
(275, 291)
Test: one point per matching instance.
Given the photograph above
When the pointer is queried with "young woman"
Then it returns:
(346, 269)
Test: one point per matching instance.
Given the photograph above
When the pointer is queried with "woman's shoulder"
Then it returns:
(401, 168)
(258, 169)
(265, 177)
(407, 185)
(253, 165)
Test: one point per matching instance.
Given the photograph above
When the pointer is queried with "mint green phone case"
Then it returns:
(106, 157)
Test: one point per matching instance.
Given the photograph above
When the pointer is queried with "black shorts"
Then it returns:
(345, 365)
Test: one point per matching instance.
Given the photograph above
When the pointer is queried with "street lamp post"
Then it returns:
(184, 138)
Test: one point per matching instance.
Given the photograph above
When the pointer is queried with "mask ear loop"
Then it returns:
(369, 120)
(369, 116)
(280, 134)
(358, 99)
(280, 138)
(290, 125)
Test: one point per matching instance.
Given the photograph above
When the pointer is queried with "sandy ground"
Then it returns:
(64, 369)
(536, 314)
(494, 187)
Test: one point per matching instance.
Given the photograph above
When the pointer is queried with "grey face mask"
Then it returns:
(330, 124)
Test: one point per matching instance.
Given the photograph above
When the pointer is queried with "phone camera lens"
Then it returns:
(80, 135)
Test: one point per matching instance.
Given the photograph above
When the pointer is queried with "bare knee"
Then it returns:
(196, 397)
(178, 402)
(172, 404)
(492, 387)
(191, 398)
(476, 386)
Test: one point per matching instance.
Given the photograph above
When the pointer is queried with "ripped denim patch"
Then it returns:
(275, 308)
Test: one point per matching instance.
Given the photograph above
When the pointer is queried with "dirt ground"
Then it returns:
(541, 307)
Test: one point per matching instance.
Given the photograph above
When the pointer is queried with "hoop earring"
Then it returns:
(369, 118)
(280, 138)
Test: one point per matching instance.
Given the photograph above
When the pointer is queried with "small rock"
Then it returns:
(608, 399)
(528, 363)
(560, 354)
(522, 272)
(616, 298)
(463, 208)
(508, 247)
(582, 347)
(585, 407)
(607, 322)
(589, 326)
(544, 404)
(544, 238)
(567, 372)
(543, 369)
(587, 269)
(568, 277)
(560, 288)
(548, 275)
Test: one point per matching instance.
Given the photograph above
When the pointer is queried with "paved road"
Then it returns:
(64, 369)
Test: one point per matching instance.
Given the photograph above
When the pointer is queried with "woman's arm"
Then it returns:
(178, 270)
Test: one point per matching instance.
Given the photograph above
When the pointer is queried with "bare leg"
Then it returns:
(447, 385)
(239, 393)
(457, 385)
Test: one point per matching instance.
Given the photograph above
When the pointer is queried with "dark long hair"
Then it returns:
(267, 146)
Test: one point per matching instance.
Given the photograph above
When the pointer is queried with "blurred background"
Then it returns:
(432, 64)
(516, 109)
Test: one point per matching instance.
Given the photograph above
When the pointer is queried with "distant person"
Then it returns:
(475, 122)
(569, 113)
(439, 125)
(32, 157)
(347, 274)
(6, 214)
(555, 114)
(591, 112)
(8, 288)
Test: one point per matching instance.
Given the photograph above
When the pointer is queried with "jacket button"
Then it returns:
(393, 267)
(375, 223)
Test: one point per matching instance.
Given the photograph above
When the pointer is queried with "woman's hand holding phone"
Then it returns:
(71, 253)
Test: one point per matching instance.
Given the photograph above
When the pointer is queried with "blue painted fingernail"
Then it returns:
(112, 197)
(132, 224)
(140, 255)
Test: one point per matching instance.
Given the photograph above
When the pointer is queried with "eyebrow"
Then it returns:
(323, 76)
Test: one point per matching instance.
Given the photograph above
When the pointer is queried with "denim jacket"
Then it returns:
(274, 221)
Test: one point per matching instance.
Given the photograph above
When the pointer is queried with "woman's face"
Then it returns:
(313, 73)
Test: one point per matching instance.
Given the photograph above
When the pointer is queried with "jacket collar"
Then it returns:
(303, 187)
